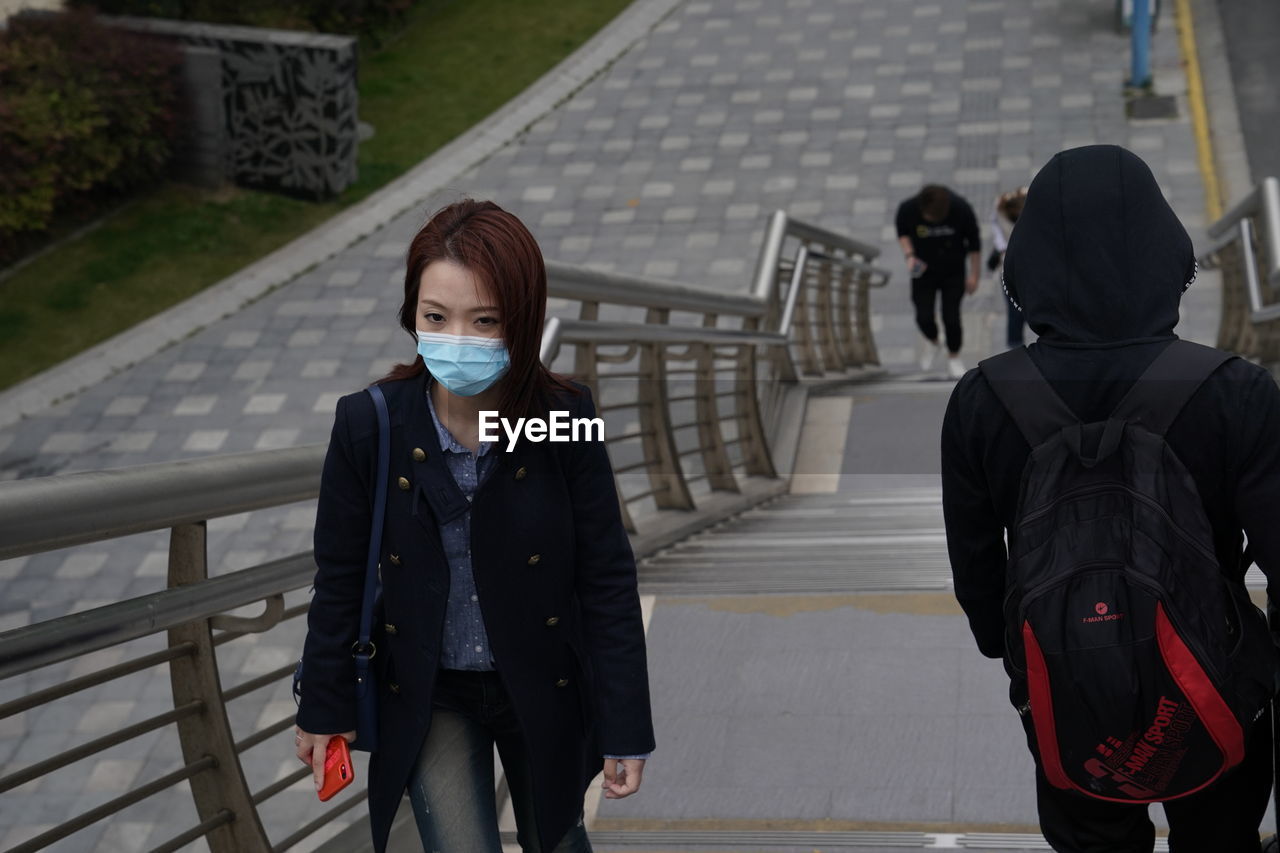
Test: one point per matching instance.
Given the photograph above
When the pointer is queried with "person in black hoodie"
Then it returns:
(1098, 264)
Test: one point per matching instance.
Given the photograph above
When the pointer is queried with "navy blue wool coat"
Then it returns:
(556, 579)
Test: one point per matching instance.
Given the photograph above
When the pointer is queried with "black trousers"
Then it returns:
(924, 296)
(1223, 818)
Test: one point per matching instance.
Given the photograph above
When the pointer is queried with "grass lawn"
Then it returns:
(455, 62)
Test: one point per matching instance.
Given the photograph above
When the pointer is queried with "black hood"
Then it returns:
(1098, 256)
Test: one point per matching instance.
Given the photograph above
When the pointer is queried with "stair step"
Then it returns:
(736, 840)
(885, 541)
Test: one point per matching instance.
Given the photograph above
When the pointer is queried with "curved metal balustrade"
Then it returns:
(1248, 253)
(701, 392)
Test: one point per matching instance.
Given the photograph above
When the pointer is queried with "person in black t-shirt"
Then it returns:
(938, 232)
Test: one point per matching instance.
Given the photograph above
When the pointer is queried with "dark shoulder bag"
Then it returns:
(363, 650)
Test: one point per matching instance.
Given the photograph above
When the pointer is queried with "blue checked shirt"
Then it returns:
(466, 645)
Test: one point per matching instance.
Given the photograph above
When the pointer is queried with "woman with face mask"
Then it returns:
(508, 614)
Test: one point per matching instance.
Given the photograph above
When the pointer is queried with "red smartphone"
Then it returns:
(338, 771)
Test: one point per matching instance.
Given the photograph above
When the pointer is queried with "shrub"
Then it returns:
(87, 112)
(365, 17)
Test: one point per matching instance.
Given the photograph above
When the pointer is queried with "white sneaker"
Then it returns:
(929, 354)
(955, 367)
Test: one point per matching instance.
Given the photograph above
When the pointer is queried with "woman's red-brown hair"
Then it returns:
(498, 250)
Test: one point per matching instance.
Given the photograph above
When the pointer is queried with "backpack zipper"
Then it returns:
(1191, 642)
(1091, 567)
(1142, 580)
(1071, 494)
(1088, 490)
(1183, 534)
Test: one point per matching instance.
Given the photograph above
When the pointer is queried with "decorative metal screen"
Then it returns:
(290, 102)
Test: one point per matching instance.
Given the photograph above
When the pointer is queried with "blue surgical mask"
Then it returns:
(463, 364)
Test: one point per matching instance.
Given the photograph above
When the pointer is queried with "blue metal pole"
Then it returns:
(1140, 28)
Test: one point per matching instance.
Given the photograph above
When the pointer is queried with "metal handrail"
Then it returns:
(711, 395)
(586, 332)
(1259, 313)
(1249, 313)
(1265, 199)
(45, 513)
(881, 275)
(567, 281)
(811, 233)
(782, 226)
(793, 293)
(67, 637)
(1262, 203)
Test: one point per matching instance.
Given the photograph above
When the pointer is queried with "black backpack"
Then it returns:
(1139, 663)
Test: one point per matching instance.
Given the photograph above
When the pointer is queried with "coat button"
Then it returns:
(419, 455)
(553, 621)
(535, 559)
(564, 682)
(394, 558)
(390, 629)
(403, 483)
(393, 687)
(522, 472)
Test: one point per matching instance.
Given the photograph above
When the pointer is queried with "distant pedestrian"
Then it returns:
(1004, 214)
(938, 231)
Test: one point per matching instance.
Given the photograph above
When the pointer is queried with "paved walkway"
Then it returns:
(667, 163)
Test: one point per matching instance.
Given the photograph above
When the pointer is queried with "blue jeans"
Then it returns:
(451, 788)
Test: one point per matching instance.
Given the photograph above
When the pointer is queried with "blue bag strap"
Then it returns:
(379, 517)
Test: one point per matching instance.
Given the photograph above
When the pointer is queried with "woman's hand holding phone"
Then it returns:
(314, 750)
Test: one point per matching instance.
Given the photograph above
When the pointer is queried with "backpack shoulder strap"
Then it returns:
(1159, 395)
(1032, 403)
